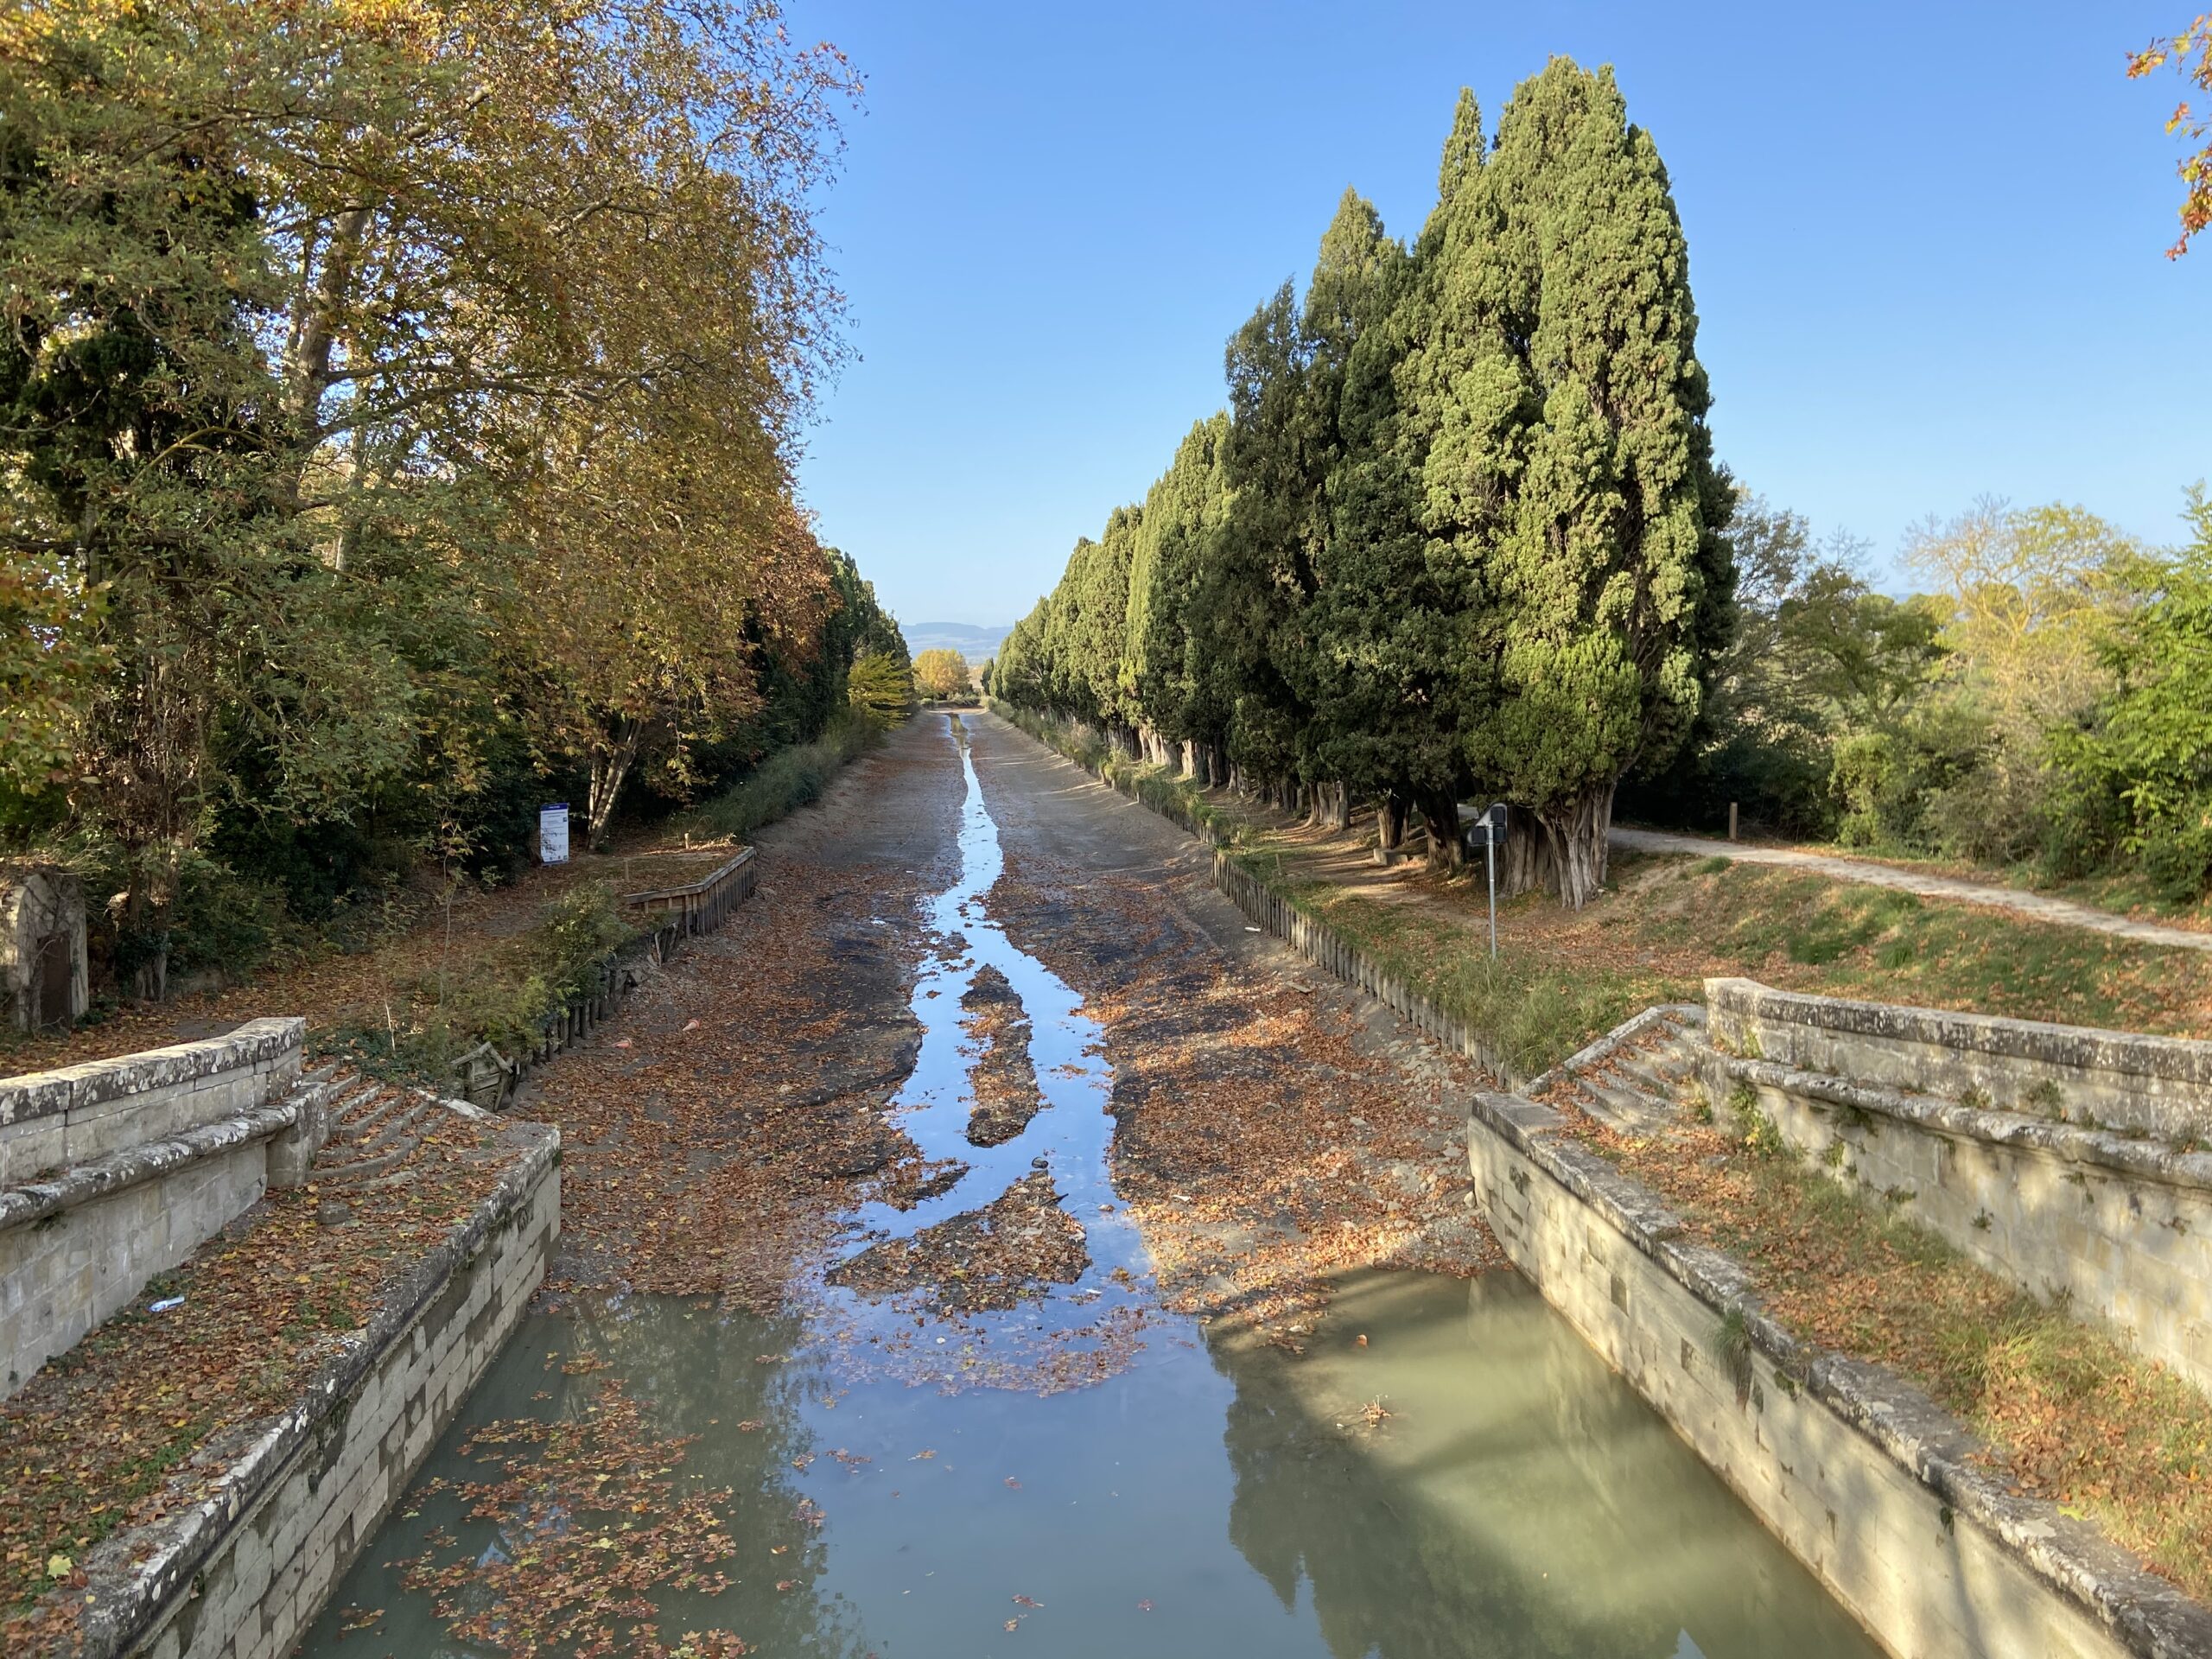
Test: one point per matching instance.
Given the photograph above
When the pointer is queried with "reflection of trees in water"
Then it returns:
(650, 1410)
(1394, 1573)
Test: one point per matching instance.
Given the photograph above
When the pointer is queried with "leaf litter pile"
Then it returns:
(139, 1420)
(1004, 1078)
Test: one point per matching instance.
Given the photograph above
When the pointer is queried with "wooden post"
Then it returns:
(1731, 820)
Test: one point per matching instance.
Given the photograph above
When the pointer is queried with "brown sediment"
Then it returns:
(1005, 1077)
(1008, 1252)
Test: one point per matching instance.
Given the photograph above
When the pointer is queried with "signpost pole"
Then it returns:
(1489, 858)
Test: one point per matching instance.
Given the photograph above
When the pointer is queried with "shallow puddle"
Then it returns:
(1448, 1470)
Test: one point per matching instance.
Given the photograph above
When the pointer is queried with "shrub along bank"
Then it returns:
(472, 963)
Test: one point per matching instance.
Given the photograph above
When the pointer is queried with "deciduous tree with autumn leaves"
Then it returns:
(398, 403)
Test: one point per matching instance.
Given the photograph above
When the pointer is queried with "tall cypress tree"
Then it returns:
(1608, 578)
(1264, 574)
(1177, 696)
(1362, 656)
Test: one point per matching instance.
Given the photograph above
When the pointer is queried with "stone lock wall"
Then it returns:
(2118, 1080)
(51, 1119)
(2120, 1223)
(242, 1573)
(1869, 1484)
(115, 1171)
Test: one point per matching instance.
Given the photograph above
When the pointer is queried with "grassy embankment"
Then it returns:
(1665, 924)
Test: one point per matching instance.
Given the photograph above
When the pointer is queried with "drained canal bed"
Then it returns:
(976, 1432)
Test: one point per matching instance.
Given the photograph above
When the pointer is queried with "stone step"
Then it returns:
(1623, 1108)
(373, 1111)
(395, 1126)
(353, 1172)
(1660, 1071)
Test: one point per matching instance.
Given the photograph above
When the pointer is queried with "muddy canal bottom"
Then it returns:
(976, 1433)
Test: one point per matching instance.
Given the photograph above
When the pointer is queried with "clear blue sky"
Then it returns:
(1926, 241)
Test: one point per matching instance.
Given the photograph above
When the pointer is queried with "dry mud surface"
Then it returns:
(753, 1127)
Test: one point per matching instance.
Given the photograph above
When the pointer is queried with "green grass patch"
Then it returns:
(1810, 933)
(1532, 1008)
(780, 784)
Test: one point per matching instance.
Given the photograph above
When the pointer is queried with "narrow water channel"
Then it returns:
(1448, 1470)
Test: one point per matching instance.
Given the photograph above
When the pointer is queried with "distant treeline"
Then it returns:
(397, 414)
(1459, 534)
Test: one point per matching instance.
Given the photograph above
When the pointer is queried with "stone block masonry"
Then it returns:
(2118, 1224)
(2115, 1079)
(113, 1171)
(49, 1118)
(1866, 1481)
(242, 1572)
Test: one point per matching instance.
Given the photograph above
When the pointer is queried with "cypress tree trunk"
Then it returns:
(1439, 810)
(1577, 832)
(1333, 806)
(1527, 863)
(1390, 821)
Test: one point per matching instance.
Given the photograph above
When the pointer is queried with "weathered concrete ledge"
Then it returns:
(72, 1088)
(241, 1572)
(2161, 1085)
(1865, 1479)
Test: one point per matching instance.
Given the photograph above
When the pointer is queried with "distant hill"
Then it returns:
(974, 643)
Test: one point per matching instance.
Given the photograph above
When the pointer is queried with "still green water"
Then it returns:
(1215, 1498)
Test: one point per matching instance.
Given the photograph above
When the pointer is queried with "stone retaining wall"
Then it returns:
(115, 1171)
(2159, 1085)
(1865, 1480)
(242, 1572)
(48, 1119)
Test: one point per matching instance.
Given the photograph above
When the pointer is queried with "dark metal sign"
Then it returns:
(1488, 830)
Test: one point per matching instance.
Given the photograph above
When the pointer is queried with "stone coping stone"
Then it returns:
(133, 1576)
(100, 1177)
(75, 1088)
(2143, 1157)
(2169, 1060)
(2152, 1617)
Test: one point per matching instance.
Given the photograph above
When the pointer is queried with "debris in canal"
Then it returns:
(1008, 1251)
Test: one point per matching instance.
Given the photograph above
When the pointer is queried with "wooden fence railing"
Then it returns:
(702, 905)
(489, 1077)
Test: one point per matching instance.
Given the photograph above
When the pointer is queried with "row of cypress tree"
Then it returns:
(1460, 531)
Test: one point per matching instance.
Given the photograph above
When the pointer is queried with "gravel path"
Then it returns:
(2037, 907)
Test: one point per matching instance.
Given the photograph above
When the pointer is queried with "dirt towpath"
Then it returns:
(2039, 906)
